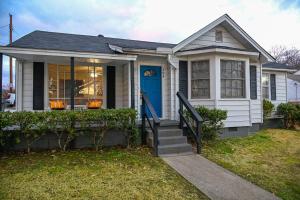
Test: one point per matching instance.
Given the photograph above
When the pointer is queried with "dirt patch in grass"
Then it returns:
(270, 159)
(112, 174)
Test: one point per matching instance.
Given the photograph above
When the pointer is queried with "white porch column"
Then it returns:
(19, 84)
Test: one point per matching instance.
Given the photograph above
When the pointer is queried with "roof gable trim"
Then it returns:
(213, 24)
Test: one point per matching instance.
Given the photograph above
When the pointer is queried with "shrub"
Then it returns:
(290, 113)
(31, 125)
(7, 138)
(212, 121)
(268, 107)
(62, 124)
(68, 124)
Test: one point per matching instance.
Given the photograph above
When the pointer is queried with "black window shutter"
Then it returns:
(38, 86)
(183, 77)
(273, 86)
(253, 82)
(111, 87)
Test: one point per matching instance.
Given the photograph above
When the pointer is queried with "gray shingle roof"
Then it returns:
(294, 77)
(276, 65)
(80, 43)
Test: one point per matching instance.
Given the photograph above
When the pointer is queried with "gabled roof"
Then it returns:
(294, 77)
(80, 43)
(226, 21)
(278, 66)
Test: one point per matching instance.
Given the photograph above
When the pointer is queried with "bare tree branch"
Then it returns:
(286, 56)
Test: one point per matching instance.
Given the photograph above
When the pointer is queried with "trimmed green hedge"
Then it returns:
(67, 125)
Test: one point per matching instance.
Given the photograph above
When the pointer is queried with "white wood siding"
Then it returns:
(281, 87)
(208, 39)
(256, 105)
(27, 85)
(238, 112)
(126, 87)
(207, 103)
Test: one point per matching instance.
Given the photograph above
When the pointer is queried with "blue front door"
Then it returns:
(151, 85)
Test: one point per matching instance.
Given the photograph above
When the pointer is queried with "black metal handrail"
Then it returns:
(156, 122)
(195, 116)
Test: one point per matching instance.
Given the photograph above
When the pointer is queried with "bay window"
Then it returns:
(233, 79)
(200, 79)
(88, 83)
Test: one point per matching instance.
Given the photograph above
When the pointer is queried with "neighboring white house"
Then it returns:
(293, 89)
(275, 83)
(219, 66)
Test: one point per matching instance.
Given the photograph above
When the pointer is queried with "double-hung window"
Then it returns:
(200, 79)
(265, 86)
(233, 79)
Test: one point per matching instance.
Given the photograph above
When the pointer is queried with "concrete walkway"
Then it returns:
(215, 181)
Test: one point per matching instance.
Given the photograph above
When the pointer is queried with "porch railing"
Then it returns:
(155, 122)
(192, 126)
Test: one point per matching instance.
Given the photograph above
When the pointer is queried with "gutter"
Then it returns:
(279, 69)
(47, 52)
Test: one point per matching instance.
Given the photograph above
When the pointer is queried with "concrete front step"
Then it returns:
(169, 140)
(174, 149)
(169, 132)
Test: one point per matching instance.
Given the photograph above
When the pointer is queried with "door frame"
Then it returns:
(150, 64)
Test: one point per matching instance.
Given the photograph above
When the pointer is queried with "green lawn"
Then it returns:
(112, 174)
(270, 159)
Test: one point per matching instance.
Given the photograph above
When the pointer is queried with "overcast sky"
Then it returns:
(269, 22)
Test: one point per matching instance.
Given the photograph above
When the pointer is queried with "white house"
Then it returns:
(219, 66)
(275, 82)
(293, 87)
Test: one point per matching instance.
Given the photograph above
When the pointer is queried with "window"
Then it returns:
(219, 36)
(200, 79)
(88, 83)
(265, 85)
(232, 79)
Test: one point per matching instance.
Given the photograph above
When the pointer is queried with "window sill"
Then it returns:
(234, 99)
(200, 99)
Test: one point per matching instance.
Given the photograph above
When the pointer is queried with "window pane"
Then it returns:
(52, 81)
(88, 83)
(265, 80)
(200, 69)
(232, 79)
(200, 79)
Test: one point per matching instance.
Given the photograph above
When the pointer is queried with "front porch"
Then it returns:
(45, 76)
(73, 80)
